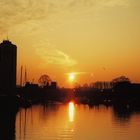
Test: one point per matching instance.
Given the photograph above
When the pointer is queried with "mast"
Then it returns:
(25, 76)
(21, 76)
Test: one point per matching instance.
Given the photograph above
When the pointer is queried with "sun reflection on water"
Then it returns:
(71, 111)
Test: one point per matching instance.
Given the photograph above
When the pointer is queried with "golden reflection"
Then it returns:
(71, 111)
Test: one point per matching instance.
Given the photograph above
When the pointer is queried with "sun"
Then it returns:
(71, 77)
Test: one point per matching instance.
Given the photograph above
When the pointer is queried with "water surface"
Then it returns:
(55, 121)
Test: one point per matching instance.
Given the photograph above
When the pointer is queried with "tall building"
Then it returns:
(8, 58)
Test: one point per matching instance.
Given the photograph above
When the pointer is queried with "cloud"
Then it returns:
(51, 55)
(15, 12)
(113, 3)
(78, 73)
(29, 17)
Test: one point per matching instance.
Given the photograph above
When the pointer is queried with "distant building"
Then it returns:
(53, 85)
(8, 58)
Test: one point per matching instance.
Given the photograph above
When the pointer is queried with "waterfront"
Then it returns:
(55, 121)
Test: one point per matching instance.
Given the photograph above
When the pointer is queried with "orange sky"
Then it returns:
(98, 40)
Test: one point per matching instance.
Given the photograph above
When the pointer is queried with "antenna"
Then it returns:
(7, 37)
(21, 76)
(25, 76)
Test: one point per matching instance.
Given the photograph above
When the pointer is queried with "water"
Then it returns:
(74, 122)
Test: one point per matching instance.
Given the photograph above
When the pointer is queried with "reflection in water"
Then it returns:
(7, 123)
(123, 113)
(22, 123)
(71, 111)
(49, 121)
(59, 122)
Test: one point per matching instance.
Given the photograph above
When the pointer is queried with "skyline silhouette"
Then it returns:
(10, 64)
(98, 40)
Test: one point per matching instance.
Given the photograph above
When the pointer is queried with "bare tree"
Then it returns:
(121, 79)
(44, 80)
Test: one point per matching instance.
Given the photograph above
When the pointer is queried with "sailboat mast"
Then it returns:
(21, 76)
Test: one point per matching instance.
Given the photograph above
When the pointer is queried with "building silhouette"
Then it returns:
(8, 58)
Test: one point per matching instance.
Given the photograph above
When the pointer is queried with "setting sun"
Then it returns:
(71, 77)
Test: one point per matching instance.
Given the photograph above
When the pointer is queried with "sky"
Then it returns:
(97, 40)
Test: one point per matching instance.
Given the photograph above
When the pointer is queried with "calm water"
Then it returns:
(75, 122)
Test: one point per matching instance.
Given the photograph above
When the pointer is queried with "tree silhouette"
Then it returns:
(121, 79)
(44, 80)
